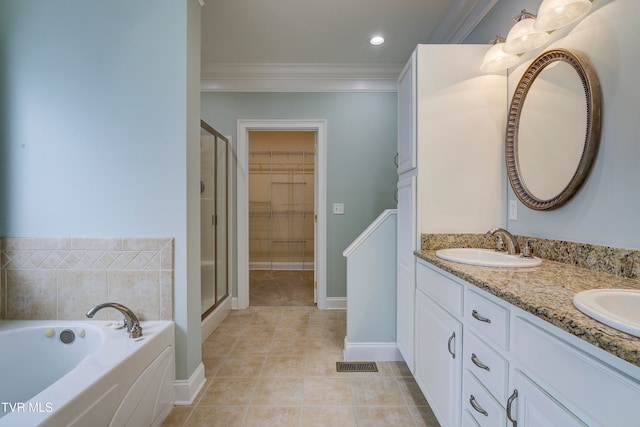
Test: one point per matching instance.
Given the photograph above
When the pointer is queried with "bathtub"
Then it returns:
(85, 373)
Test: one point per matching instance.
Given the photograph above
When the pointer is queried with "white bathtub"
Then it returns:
(101, 378)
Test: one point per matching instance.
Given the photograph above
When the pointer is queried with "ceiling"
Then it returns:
(293, 45)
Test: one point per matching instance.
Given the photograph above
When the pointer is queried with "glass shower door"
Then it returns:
(214, 238)
(222, 229)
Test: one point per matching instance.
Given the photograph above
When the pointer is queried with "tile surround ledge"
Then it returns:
(547, 291)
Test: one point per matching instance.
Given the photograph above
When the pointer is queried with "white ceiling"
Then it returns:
(262, 44)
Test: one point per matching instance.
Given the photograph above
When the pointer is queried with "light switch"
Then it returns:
(338, 208)
(513, 210)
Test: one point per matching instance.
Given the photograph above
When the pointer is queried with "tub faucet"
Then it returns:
(130, 320)
(512, 243)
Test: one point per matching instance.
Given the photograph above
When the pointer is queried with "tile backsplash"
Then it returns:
(62, 278)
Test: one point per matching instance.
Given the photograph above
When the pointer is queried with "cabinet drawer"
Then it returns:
(441, 289)
(479, 402)
(594, 391)
(490, 319)
(487, 365)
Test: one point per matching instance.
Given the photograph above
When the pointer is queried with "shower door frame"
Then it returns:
(242, 212)
(227, 226)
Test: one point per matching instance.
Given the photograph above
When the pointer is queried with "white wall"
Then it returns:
(99, 123)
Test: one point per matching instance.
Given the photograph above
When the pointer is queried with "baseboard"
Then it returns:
(372, 351)
(335, 303)
(215, 318)
(281, 266)
(186, 391)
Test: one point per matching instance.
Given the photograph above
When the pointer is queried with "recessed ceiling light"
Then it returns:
(377, 40)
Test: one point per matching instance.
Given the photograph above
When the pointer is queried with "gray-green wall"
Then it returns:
(99, 131)
(361, 145)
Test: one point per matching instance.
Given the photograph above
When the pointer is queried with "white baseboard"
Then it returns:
(336, 303)
(215, 318)
(186, 391)
(372, 351)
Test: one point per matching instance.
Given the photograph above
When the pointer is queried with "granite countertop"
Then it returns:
(547, 292)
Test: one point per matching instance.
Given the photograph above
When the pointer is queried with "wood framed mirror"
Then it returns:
(553, 129)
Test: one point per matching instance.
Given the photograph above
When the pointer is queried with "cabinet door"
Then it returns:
(439, 359)
(407, 150)
(406, 268)
(533, 407)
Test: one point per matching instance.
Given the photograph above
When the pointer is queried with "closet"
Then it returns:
(281, 217)
(281, 200)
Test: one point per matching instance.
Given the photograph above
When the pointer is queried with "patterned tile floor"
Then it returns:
(276, 366)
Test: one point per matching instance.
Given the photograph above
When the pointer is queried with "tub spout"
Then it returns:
(130, 320)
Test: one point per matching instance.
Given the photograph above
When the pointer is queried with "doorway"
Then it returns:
(281, 218)
(243, 178)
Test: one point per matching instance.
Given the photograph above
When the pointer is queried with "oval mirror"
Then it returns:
(553, 129)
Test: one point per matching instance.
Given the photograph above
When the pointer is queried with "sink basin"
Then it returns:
(486, 258)
(618, 308)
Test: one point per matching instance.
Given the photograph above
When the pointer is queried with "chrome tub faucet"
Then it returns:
(130, 320)
(505, 237)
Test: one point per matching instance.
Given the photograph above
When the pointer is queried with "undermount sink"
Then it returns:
(486, 258)
(618, 308)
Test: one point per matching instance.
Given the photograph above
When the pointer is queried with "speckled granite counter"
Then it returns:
(547, 292)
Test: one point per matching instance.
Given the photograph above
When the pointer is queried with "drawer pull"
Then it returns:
(480, 318)
(476, 406)
(478, 363)
(509, 403)
(451, 338)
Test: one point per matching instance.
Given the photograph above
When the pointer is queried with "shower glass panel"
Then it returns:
(214, 167)
(221, 235)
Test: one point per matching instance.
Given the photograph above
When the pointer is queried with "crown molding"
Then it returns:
(460, 21)
(300, 77)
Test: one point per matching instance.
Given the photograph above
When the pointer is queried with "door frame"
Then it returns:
(242, 212)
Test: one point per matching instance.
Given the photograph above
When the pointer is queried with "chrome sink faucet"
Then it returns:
(130, 320)
(512, 243)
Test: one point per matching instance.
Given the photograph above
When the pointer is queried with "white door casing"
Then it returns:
(242, 213)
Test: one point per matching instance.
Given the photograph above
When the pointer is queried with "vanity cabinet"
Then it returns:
(515, 369)
(438, 368)
(451, 121)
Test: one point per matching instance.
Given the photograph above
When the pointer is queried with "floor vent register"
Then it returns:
(356, 367)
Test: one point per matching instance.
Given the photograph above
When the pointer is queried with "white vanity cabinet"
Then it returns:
(516, 370)
(438, 343)
(486, 366)
(451, 121)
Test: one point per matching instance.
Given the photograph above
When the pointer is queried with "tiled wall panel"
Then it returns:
(62, 278)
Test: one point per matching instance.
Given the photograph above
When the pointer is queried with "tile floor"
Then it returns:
(276, 366)
(281, 287)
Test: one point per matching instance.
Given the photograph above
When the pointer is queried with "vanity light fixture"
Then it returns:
(376, 40)
(523, 37)
(554, 14)
(532, 32)
(496, 59)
